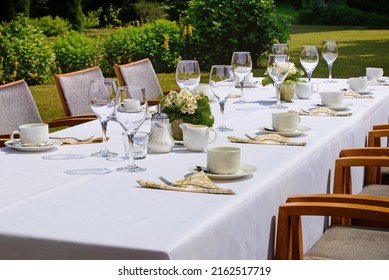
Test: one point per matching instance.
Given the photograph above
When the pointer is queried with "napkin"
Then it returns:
(72, 141)
(377, 83)
(197, 182)
(323, 111)
(266, 139)
(353, 94)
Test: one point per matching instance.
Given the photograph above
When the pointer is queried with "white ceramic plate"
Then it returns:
(383, 79)
(300, 131)
(337, 108)
(15, 144)
(363, 92)
(244, 170)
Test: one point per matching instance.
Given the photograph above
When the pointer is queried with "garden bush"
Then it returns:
(161, 41)
(52, 27)
(222, 27)
(24, 53)
(75, 51)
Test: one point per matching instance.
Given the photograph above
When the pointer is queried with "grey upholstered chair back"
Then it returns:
(73, 89)
(140, 73)
(17, 106)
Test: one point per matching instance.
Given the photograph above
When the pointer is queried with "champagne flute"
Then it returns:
(280, 49)
(330, 52)
(242, 64)
(222, 84)
(103, 100)
(278, 68)
(131, 113)
(309, 58)
(188, 74)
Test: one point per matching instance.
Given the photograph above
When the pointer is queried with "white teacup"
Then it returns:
(223, 160)
(332, 98)
(373, 73)
(33, 133)
(304, 90)
(131, 105)
(285, 121)
(358, 84)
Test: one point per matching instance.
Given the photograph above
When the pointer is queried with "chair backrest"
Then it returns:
(139, 73)
(73, 89)
(17, 106)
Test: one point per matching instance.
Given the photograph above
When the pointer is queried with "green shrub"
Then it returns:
(161, 41)
(25, 53)
(52, 27)
(222, 27)
(75, 51)
(92, 18)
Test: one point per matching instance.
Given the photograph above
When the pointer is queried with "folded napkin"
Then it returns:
(377, 83)
(74, 141)
(353, 94)
(197, 182)
(323, 111)
(266, 139)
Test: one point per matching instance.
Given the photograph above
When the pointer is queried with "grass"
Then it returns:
(358, 48)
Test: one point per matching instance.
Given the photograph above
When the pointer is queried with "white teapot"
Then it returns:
(196, 137)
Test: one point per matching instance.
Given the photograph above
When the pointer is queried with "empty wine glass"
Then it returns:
(330, 52)
(222, 84)
(242, 64)
(131, 113)
(188, 74)
(103, 100)
(278, 68)
(280, 49)
(309, 58)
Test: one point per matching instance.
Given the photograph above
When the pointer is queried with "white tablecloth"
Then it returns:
(47, 214)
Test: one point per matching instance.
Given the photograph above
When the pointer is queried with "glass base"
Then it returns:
(240, 101)
(104, 154)
(133, 168)
(330, 81)
(224, 128)
(278, 106)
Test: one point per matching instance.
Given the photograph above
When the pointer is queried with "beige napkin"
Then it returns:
(377, 83)
(266, 139)
(323, 111)
(197, 182)
(353, 94)
(72, 141)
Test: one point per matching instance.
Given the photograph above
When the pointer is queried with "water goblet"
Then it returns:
(280, 49)
(188, 74)
(103, 100)
(309, 58)
(131, 113)
(330, 52)
(278, 68)
(222, 84)
(242, 64)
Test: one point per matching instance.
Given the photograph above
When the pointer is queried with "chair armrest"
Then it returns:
(374, 137)
(289, 228)
(4, 138)
(381, 126)
(69, 121)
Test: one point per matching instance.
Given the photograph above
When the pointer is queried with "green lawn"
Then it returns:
(358, 48)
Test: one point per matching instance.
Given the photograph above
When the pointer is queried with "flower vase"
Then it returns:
(176, 130)
(287, 91)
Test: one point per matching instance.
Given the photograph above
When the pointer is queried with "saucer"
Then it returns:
(363, 92)
(383, 79)
(244, 170)
(300, 131)
(15, 144)
(336, 107)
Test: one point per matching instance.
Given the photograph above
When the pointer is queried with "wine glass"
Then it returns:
(103, 100)
(280, 49)
(131, 113)
(188, 74)
(309, 58)
(222, 84)
(278, 68)
(242, 64)
(330, 52)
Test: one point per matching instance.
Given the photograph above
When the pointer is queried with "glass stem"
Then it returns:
(104, 125)
(330, 71)
(309, 76)
(241, 83)
(278, 93)
(130, 151)
(222, 104)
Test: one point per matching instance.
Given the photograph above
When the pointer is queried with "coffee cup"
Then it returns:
(304, 90)
(33, 133)
(285, 121)
(332, 98)
(357, 84)
(223, 160)
(131, 105)
(373, 73)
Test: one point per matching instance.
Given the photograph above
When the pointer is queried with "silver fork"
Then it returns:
(171, 184)
(78, 140)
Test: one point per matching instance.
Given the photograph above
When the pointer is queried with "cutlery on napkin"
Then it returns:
(322, 111)
(354, 94)
(266, 139)
(197, 182)
(74, 141)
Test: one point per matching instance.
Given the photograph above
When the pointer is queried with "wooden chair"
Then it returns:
(140, 73)
(17, 107)
(374, 140)
(73, 89)
(340, 240)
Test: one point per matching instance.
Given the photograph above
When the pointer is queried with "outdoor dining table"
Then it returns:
(48, 214)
